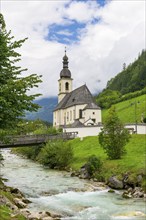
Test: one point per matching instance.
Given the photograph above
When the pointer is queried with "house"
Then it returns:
(75, 107)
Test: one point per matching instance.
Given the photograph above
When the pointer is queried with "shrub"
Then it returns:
(93, 165)
(29, 152)
(56, 154)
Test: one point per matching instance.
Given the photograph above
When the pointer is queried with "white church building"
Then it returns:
(75, 108)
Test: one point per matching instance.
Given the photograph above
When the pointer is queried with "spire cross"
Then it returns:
(65, 50)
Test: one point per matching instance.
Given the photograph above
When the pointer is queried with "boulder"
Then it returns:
(84, 172)
(114, 183)
(19, 203)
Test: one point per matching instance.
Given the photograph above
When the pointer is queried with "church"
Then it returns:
(75, 108)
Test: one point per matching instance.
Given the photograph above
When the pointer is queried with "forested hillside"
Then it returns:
(129, 83)
(132, 78)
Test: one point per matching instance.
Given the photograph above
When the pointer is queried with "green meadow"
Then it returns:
(134, 161)
(131, 110)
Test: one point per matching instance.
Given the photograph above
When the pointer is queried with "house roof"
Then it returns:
(77, 123)
(91, 105)
(78, 96)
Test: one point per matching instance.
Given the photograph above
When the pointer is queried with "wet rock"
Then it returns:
(126, 195)
(27, 201)
(55, 215)
(137, 192)
(84, 172)
(75, 173)
(139, 179)
(50, 193)
(25, 212)
(111, 191)
(114, 183)
(18, 202)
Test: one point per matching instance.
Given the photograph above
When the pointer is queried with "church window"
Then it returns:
(66, 86)
(70, 115)
(80, 113)
(74, 114)
(67, 116)
(93, 113)
(59, 87)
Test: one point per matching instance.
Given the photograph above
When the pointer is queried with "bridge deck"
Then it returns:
(33, 140)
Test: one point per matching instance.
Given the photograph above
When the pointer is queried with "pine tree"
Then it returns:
(14, 88)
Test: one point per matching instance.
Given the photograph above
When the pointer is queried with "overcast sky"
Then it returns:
(99, 35)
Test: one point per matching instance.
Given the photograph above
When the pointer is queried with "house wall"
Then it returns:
(94, 130)
(93, 114)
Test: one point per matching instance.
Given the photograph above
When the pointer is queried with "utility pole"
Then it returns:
(135, 104)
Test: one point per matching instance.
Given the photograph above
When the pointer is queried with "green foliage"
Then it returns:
(113, 136)
(132, 78)
(93, 165)
(6, 214)
(29, 152)
(14, 98)
(56, 154)
(107, 97)
(144, 120)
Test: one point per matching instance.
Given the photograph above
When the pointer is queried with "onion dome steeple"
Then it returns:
(65, 72)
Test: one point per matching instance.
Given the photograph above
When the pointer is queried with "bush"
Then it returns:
(29, 152)
(144, 120)
(56, 154)
(93, 165)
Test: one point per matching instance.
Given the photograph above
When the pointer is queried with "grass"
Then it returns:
(6, 214)
(134, 161)
(131, 110)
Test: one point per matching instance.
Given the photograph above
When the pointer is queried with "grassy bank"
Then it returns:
(130, 110)
(134, 161)
(6, 204)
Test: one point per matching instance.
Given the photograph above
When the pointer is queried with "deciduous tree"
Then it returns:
(113, 136)
(14, 88)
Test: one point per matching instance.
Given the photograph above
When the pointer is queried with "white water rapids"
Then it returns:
(57, 192)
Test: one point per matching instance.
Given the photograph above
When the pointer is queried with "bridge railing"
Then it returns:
(22, 140)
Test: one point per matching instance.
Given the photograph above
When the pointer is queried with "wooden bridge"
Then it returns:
(33, 140)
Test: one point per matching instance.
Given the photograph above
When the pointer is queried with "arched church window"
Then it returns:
(66, 86)
(59, 87)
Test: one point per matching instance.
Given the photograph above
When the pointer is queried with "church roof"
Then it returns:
(78, 96)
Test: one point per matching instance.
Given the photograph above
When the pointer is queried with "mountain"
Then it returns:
(129, 83)
(44, 113)
(132, 78)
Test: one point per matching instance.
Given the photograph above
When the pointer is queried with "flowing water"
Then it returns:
(57, 192)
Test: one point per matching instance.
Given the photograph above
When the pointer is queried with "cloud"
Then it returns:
(100, 39)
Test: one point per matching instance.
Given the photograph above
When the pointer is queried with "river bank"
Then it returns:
(14, 206)
(69, 197)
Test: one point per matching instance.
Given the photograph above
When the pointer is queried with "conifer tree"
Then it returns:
(14, 88)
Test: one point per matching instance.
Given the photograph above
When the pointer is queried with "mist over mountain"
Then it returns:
(44, 113)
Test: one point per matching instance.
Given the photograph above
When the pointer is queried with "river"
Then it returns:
(56, 191)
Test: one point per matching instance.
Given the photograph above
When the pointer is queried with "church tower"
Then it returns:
(65, 81)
